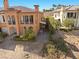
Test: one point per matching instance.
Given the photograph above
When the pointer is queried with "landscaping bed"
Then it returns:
(29, 35)
(3, 36)
(55, 48)
(19, 38)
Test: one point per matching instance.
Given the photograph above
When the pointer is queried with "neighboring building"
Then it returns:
(62, 13)
(71, 12)
(48, 13)
(18, 19)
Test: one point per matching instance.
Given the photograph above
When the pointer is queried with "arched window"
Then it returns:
(27, 19)
(31, 19)
(11, 20)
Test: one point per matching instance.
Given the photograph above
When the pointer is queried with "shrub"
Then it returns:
(50, 49)
(17, 38)
(3, 35)
(54, 23)
(51, 29)
(60, 45)
(68, 23)
(29, 35)
(55, 48)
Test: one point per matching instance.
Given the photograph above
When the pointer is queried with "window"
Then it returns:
(11, 20)
(3, 19)
(74, 15)
(21, 20)
(71, 15)
(31, 19)
(27, 19)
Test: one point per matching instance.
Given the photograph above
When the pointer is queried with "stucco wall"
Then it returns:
(20, 27)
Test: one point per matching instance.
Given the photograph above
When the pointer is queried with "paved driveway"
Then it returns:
(10, 49)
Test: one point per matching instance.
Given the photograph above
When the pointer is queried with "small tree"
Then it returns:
(68, 23)
(55, 23)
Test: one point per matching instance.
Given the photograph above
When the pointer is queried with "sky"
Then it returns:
(44, 4)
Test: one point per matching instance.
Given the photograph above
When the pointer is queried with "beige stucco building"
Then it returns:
(62, 13)
(69, 12)
(18, 18)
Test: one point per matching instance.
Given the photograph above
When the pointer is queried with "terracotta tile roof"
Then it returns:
(22, 8)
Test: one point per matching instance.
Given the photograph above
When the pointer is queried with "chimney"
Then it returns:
(36, 8)
(6, 5)
(62, 8)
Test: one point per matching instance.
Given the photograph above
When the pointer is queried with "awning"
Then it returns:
(43, 22)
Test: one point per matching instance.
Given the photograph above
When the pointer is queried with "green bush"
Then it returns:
(29, 35)
(18, 38)
(50, 49)
(55, 48)
(51, 29)
(68, 23)
(3, 35)
(54, 23)
(60, 45)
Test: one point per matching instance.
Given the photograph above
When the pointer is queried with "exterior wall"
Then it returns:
(26, 25)
(1, 19)
(18, 27)
(56, 15)
(77, 20)
(62, 14)
(9, 26)
(59, 15)
(36, 19)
